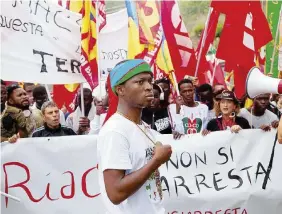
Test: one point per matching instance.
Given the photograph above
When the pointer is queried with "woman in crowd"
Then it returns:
(226, 111)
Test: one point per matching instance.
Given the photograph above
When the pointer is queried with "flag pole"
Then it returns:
(98, 55)
(214, 70)
(275, 41)
(203, 42)
(82, 100)
(98, 49)
(175, 81)
(48, 92)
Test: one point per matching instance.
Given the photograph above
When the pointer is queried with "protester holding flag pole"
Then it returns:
(97, 57)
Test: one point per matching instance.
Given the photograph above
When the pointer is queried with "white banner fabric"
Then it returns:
(113, 46)
(221, 173)
(40, 42)
(113, 42)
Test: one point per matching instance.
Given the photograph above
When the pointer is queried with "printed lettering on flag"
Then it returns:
(149, 20)
(179, 42)
(248, 30)
(145, 16)
(87, 8)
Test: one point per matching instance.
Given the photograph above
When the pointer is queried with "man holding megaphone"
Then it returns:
(259, 87)
(257, 83)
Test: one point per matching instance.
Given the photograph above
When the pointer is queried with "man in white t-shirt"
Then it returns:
(128, 155)
(258, 116)
(187, 115)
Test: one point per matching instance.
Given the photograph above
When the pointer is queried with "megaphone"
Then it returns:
(257, 83)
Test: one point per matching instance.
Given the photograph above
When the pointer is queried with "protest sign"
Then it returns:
(113, 46)
(40, 42)
(113, 42)
(221, 173)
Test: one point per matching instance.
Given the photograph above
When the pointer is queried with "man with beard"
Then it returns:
(17, 119)
(187, 115)
(79, 122)
(28, 87)
(258, 116)
(3, 95)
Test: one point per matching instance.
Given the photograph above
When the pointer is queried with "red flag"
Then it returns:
(87, 8)
(179, 43)
(261, 31)
(64, 95)
(241, 49)
(230, 6)
(219, 76)
(240, 76)
(113, 100)
(210, 35)
(244, 32)
(102, 14)
(148, 13)
(207, 68)
(246, 26)
(204, 66)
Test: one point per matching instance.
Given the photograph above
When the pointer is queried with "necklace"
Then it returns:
(156, 173)
(227, 123)
(155, 143)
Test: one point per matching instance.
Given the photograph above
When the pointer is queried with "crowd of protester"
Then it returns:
(27, 112)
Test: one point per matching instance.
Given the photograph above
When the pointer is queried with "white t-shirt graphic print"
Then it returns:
(122, 145)
(191, 120)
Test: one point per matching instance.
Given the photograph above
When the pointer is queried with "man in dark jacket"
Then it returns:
(52, 126)
(155, 116)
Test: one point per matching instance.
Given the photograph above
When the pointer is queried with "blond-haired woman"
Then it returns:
(226, 110)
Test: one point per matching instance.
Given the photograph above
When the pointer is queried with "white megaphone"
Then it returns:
(257, 83)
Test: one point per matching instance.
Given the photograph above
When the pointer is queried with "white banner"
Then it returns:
(113, 46)
(221, 173)
(113, 42)
(40, 42)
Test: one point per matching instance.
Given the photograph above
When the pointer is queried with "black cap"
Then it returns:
(227, 95)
